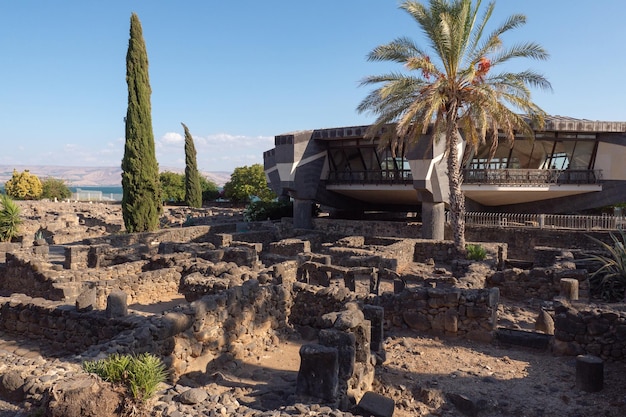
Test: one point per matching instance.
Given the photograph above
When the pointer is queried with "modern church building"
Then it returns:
(571, 165)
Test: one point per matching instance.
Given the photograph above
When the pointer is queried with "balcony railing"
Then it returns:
(370, 177)
(531, 176)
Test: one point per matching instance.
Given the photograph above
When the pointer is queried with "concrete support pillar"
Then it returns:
(302, 214)
(433, 220)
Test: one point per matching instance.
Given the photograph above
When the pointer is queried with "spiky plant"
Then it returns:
(9, 219)
(609, 281)
(141, 374)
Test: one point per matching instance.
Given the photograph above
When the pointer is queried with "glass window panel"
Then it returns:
(544, 152)
(522, 155)
(354, 159)
(582, 155)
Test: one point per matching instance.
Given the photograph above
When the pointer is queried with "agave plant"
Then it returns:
(9, 218)
(610, 279)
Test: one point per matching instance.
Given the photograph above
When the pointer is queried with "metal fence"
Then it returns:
(546, 221)
(94, 195)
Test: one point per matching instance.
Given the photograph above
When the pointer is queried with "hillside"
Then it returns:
(92, 176)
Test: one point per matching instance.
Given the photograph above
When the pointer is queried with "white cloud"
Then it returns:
(172, 138)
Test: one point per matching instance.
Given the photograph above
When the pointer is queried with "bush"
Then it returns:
(210, 190)
(172, 187)
(264, 210)
(609, 281)
(24, 186)
(246, 183)
(475, 252)
(9, 219)
(54, 188)
(141, 374)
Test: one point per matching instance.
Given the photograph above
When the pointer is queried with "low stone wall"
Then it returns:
(464, 313)
(8, 247)
(588, 329)
(61, 327)
(31, 275)
(339, 227)
(536, 283)
(240, 322)
(311, 302)
(521, 241)
(543, 282)
(177, 234)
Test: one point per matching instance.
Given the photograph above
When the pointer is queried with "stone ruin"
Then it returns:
(245, 288)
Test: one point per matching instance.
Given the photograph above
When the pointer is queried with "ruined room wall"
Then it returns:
(590, 329)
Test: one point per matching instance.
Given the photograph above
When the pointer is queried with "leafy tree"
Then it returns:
(9, 219)
(193, 188)
(454, 87)
(247, 182)
(141, 199)
(172, 186)
(210, 190)
(55, 188)
(23, 186)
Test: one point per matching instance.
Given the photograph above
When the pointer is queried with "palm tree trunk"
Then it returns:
(457, 199)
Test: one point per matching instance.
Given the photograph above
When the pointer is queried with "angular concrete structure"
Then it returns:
(572, 165)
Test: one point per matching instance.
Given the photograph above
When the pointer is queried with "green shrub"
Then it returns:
(141, 374)
(247, 183)
(9, 219)
(264, 210)
(475, 252)
(609, 281)
(55, 188)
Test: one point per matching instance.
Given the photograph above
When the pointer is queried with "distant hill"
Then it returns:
(92, 176)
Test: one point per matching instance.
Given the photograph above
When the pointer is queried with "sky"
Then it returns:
(239, 73)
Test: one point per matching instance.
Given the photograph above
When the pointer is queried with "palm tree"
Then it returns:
(454, 89)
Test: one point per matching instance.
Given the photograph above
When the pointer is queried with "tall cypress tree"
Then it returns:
(141, 201)
(193, 189)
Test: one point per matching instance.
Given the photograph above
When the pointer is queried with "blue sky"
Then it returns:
(238, 73)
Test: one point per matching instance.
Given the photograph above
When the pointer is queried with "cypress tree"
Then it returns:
(193, 188)
(141, 201)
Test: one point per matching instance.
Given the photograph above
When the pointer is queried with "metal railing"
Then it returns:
(370, 177)
(93, 195)
(546, 221)
(531, 176)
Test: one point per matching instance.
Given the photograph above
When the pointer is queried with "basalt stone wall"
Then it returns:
(361, 251)
(239, 322)
(8, 247)
(340, 227)
(182, 234)
(538, 283)
(522, 241)
(141, 288)
(465, 313)
(311, 302)
(544, 281)
(588, 329)
(60, 326)
(28, 274)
